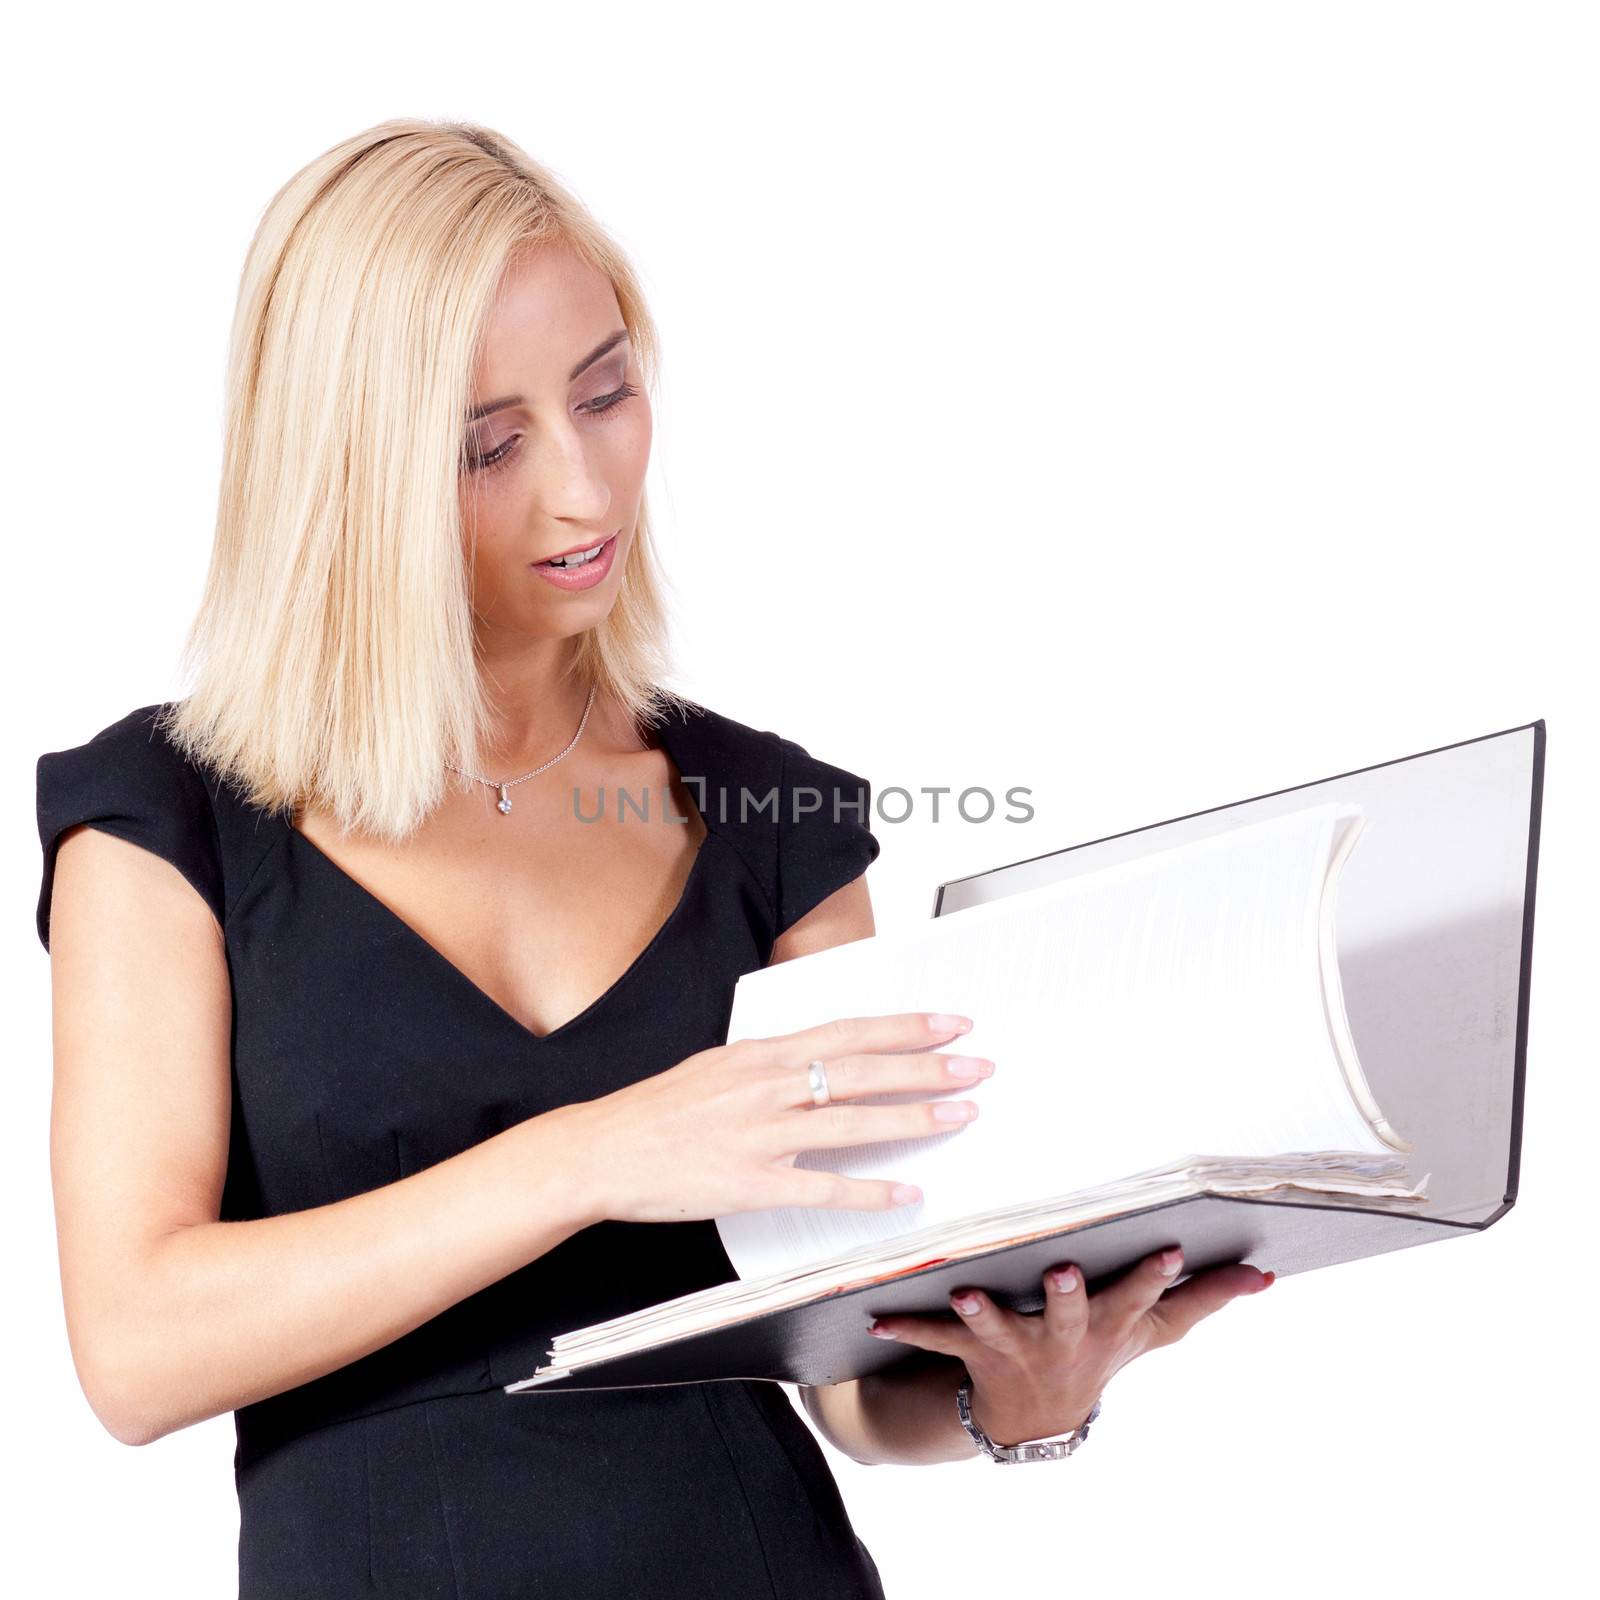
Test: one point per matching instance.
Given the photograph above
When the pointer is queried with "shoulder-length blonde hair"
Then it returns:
(332, 658)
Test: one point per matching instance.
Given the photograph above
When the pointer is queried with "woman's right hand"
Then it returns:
(718, 1133)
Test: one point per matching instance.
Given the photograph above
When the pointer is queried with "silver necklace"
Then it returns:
(503, 803)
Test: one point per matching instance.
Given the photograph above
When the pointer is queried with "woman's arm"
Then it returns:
(174, 1316)
(903, 1417)
(907, 1415)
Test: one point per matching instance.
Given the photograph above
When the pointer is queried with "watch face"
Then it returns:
(1070, 1439)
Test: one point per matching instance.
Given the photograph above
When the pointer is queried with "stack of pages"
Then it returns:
(1169, 1026)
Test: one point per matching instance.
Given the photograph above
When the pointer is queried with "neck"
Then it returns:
(536, 704)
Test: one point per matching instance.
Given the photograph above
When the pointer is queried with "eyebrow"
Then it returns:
(606, 344)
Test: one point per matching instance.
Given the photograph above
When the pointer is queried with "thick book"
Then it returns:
(1289, 1031)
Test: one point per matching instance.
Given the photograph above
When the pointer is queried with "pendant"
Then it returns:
(504, 802)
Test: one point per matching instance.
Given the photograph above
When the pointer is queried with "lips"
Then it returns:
(576, 550)
(583, 574)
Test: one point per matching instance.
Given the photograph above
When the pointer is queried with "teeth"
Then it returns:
(582, 557)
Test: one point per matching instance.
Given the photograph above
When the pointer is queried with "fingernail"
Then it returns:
(878, 1331)
(966, 1068)
(903, 1194)
(965, 1304)
(954, 1111)
(1266, 1283)
(1066, 1281)
(1171, 1260)
(942, 1022)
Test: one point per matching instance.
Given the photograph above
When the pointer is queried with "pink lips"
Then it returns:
(584, 577)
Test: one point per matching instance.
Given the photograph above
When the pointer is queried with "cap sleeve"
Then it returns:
(825, 838)
(131, 781)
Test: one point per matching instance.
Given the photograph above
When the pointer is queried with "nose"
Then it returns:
(569, 479)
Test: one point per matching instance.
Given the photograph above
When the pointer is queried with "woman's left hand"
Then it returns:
(1034, 1376)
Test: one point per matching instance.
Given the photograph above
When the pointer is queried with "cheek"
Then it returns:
(488, 535)
(629, 449)
(490, 511)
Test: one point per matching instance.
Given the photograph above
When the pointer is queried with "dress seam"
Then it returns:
(339, 1420)
(366, 1464)
(755, 1521)
(444, 1510)
(254, 873)
(729, 832)
(751, 873)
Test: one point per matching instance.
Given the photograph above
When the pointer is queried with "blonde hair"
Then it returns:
(333, 654)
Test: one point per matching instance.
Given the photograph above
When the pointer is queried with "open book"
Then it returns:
(1172, 1049)
(1166, 1026)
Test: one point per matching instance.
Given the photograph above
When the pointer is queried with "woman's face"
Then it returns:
(555, 451)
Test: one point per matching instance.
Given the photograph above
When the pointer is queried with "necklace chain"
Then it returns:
(503, 803)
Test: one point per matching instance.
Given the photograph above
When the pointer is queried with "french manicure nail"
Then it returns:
(944, 1022)
(954, 1111)
(1171, 1260)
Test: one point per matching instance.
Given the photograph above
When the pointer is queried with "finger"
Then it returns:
(996, 1329)
(827, 1127)
(843, 1036)
(926, 1333)
(886, 1074)
(832, 1191)
(1066, 1306)
(1177, 1311)
(1116, 1309)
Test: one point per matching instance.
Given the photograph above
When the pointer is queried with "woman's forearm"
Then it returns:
(221, 1314)
(903, 1416)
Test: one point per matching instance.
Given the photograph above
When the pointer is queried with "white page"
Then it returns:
(1167, 1006)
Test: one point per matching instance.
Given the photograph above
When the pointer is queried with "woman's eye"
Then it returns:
(503, 453)
(495, 458)
(610, 402)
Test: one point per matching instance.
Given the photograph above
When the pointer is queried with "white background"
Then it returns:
(1153, 405)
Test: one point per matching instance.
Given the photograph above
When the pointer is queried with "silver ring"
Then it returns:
(817, 1075)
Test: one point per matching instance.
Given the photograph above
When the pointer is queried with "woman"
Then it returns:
(417, 1057)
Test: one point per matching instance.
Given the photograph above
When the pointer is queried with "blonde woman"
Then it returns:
(390, 1041)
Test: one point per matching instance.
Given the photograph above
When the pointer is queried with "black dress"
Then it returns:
(362, 1055)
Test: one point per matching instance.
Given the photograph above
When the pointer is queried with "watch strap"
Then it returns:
(1027, 1449)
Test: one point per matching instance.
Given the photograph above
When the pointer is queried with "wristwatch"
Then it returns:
(1028, 1449)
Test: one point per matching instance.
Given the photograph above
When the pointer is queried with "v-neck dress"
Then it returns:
(361, 1055)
